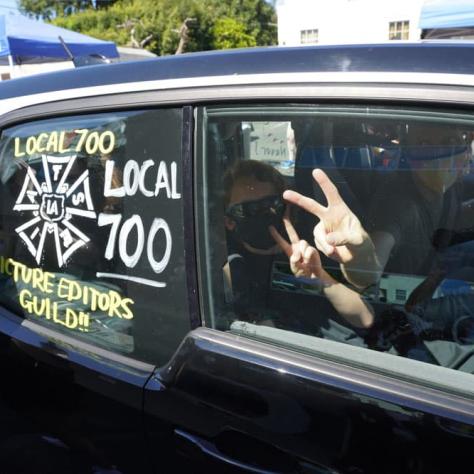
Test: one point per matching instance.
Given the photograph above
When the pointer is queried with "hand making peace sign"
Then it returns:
(338, 228)
(305, 262)
(304, 259)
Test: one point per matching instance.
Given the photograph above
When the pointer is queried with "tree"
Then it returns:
(258, 17)
(49, 9)
(184, 34)
(231, 33)
(161, 26)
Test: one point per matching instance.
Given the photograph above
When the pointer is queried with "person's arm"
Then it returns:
(369, 260)
(347, 302)
(305, 262)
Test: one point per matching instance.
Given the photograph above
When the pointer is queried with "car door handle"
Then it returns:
(209, 448)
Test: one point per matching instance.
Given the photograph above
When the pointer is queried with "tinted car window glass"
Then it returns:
(394, 195)
(271, 142)
(91, 228)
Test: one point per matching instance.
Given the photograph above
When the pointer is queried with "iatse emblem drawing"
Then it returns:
(54, 196)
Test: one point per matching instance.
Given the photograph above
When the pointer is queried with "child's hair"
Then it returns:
(255, 170)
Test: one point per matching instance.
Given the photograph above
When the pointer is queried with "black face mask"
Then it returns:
(253, 218)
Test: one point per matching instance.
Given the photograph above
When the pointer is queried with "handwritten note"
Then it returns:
(42, 293)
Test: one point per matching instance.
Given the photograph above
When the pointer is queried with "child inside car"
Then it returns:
(259, 232)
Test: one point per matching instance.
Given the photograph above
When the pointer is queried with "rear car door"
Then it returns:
(93, 292)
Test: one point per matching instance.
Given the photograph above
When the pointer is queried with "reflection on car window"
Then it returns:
(272, 143)
(90, 208)
(369, 240)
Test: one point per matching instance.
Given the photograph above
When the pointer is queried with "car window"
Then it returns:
(272, 142)
(90, 228)
(374, 250)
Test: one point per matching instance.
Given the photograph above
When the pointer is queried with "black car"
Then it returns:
(255, 261)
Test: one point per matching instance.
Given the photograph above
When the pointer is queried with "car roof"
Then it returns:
(422, 57)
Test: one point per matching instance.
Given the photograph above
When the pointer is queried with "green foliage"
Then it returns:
(231, 33)
(49, 9)
(219, 24)
(258, 17)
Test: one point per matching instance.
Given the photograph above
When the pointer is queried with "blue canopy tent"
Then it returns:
(23, 40)
(447, 19)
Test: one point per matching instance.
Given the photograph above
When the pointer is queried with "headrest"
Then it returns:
(429, 152)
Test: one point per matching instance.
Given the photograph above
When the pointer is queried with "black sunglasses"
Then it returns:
(268, 205)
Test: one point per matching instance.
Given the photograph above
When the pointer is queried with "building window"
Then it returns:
(309, 36)
(398, 30)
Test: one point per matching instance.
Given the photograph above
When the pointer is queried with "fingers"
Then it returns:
(304, 252)
(336, 239)
(304, 202)
(313, 261)
(295, 259)
(330, 192)
(328, 187)
(309, 254)
(320, 240)
(283, 244)
(305, 261)
(290, 230)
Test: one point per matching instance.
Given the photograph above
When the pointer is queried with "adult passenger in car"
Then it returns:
(409, 208)
(412, 225)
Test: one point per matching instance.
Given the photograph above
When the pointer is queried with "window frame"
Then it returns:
(401, 369)
(103, 105)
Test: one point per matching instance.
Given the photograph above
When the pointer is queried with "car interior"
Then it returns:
(363, 154)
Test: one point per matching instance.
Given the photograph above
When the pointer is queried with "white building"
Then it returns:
(347, 21)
